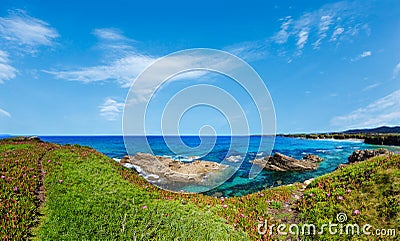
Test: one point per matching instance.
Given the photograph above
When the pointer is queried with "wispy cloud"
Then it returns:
(303, 37)
(396, 71)
(111, 109)
(324, 26)
(26, 32)
(109, 34)
(336, 33)
(282, 36)
(114, 43)
(249, 51)
(384, 111)
(123, 71)
(5, 113)
(362, 55)
(7, 71)
(121, 64)
(372, 86)
(339, 21)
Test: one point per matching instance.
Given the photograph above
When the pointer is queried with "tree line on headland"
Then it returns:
(376, 136)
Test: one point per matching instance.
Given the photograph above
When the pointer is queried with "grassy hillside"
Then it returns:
(87, 199)
(52, 192)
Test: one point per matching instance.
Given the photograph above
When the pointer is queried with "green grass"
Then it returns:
(91, 197)
(276, 205)
(19, 182)
(371, 187)
(93, 202)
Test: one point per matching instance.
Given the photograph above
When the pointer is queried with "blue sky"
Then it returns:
(66, 68)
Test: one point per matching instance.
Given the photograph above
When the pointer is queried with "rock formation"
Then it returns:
(280, 162)
(163, 169)
(362, 155)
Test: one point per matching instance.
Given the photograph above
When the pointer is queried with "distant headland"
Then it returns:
(383, 135)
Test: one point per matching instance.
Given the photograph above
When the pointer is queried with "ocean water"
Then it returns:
(334, 152)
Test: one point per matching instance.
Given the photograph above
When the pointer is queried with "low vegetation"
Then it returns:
(366, 193)
(53, 192)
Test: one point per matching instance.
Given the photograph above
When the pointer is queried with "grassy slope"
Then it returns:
(371, 187)
(93, 202)
(100, 200)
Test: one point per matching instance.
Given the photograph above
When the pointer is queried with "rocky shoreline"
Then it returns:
(166, 170)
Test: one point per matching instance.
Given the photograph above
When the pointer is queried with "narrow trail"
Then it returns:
(40, 191)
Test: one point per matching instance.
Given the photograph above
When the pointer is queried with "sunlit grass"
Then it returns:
(91, 197)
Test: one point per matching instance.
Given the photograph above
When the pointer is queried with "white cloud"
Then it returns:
(324, 25)
(123, 71)
(122, 62)
(21, 32)
(5, 113)
(7, 72)
(282, 36)
(24, 30)
(362, 55)
(366, 54)
(337, 20)
(384, 111)
(338, 31)
(249, 51)
(396, 71)
(303, 37)
(111, 109)
(109, 34)
(372, 86)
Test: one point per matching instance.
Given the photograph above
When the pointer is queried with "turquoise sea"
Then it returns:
(334, 152)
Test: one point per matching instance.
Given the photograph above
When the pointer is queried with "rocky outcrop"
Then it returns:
(280, 162)
(362, 155)
(313, 158)
(167, 170)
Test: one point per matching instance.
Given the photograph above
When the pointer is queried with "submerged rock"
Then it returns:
(168, 170)
(280, 162)
(362, 155)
